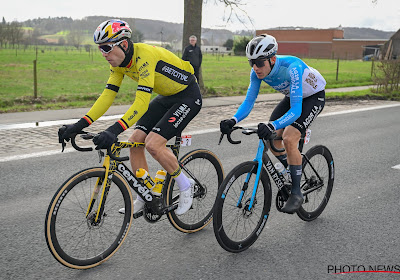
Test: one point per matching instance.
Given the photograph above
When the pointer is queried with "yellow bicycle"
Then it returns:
(83, 226)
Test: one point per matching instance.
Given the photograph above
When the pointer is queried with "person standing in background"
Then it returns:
(192, 53)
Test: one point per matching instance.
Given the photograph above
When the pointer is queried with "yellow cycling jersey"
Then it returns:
(154, 68)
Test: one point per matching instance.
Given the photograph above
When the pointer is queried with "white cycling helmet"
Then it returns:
(112, 31)
(263, 46)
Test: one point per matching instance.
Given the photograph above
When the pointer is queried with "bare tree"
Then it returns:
(193, 16)
(75, 38)
(15, 33)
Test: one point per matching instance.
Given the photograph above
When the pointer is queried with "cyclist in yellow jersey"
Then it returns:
(179, 100)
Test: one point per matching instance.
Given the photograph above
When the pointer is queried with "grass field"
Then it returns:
(71, 78)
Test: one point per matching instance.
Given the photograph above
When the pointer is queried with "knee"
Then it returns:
(290, 141)
(137, 136)
(153, 148)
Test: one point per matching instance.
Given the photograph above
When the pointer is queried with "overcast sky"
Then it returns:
(382, 15)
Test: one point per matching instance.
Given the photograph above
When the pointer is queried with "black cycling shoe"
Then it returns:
(293, 204)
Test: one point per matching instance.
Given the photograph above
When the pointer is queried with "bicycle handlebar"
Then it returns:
(249, 131)
(88, 136)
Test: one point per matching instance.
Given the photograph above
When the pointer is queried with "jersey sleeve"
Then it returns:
(296, 97)
(106, 98)
(251, 96)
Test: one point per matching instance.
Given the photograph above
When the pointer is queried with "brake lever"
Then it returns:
(101, 155)
(220, 138)
(63, 144)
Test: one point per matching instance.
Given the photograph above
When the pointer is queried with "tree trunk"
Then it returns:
(192, 26)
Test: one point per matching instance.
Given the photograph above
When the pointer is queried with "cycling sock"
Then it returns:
(181, 179)
(295, 173)
(283, 160)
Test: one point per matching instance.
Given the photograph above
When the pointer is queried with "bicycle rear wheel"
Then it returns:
(235, 226)
(316, 182)
(205, 167)
(75, 239)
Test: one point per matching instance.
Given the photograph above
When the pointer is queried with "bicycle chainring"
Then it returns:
(150, 216)
(280, 201)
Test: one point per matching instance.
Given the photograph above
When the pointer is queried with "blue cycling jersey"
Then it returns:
(291, 76)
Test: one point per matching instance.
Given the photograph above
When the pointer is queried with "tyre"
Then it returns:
(206, 169)
(235, 226)
(316, 182)
(74, 238)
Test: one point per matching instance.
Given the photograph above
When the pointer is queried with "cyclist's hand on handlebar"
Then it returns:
(226, 125)
(105, 139)
(66, 131)
(266, 131)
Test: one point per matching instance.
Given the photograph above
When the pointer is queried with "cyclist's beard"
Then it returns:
(128, 54)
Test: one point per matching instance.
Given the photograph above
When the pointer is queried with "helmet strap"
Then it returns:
(128, 53)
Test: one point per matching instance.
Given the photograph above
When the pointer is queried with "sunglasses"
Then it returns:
(108, 48)
(258, 62)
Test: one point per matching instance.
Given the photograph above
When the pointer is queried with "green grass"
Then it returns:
(71, 78)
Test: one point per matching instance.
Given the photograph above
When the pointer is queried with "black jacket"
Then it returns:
(193, 55)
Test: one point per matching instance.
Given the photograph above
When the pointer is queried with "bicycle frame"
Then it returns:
(113, 163)
(262, 158)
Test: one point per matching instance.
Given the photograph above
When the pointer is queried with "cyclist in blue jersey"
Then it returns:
(304, 90)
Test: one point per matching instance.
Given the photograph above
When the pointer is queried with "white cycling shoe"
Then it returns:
(185, 199)
(138, 206)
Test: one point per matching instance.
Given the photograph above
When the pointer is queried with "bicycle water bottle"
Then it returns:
(159, 181)
(282, 170)
(144, 175)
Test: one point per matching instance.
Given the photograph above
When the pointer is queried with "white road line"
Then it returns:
(196, 132)
(396, 166)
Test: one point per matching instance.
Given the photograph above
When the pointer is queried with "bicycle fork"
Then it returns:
(258, 159)
(103, 185)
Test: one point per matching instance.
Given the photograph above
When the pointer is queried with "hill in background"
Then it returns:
(156, 30)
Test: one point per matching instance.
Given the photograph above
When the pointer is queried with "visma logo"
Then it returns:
(135, 184)
(172, 119)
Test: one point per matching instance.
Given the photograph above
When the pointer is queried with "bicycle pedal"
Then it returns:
(138, 215)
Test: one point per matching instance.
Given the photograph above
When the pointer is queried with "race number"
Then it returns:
(308, 136)
(186, 140)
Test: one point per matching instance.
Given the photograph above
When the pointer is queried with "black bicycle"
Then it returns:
(83, 226)
(243, 201)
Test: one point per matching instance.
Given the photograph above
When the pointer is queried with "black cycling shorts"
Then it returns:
(169, 115)
(312, 106)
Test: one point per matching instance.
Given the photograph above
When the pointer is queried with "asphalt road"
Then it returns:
(359, 227)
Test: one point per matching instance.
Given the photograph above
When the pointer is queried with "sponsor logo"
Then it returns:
(262, 225)
(171, 119)
(281, 86)
(143, 66)
(59, 202)
(146, 89)
(274, 175)
(133, 182)
(229, 184)
(141, 127)
(288, 117)
(314, 113)
(123, 234)
(312, 80)
(175, 73)
(133, 115)
(181, 114)
(197, 102)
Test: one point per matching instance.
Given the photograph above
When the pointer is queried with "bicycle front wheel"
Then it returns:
(316, 182)
(204, 167)
(76, 239)
(237, 225)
